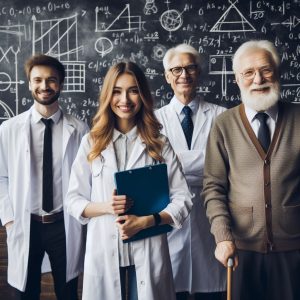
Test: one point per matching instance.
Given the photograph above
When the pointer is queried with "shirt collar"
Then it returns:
(36, 116)
(178, 106)
(271, 112)
(131, 135)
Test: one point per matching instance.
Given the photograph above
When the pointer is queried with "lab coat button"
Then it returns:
(114, 236)
(142, 282)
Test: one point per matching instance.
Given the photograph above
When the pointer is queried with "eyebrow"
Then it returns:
(51, 77)
(263, 66)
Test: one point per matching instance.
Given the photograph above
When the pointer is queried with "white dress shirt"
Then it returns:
(37, 129)
(194, 105)
(271, 121)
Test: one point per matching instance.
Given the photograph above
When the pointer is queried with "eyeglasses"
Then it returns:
(190, 69)
(264, 72)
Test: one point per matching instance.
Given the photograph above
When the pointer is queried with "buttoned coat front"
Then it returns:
(15, 194)
(95, 182)
(195, 268)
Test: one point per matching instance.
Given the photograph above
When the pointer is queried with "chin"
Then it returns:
(48, 101)
(261, 102)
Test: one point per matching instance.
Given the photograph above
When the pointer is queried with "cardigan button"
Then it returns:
(267, 183)
(266, 162)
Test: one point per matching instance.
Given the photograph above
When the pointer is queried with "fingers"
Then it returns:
(224, 251)
(120, 222)
(235, 262)
(120, 204)
(121, 219)
(7, 225)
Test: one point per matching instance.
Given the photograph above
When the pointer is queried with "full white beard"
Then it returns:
(262, 102)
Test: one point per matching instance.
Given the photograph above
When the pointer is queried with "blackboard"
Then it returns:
(90, 36)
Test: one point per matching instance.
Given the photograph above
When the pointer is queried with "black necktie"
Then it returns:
(187, 125)
(47, 167)
(263, 131)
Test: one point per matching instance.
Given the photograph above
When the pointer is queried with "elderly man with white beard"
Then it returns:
(252, 181)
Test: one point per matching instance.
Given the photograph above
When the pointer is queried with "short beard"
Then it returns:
(48, 102)
(262, 102)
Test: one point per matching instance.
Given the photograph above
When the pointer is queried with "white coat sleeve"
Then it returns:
(80, 184)
(6, 210)
(180, 197)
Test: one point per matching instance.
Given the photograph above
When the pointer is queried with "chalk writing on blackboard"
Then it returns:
(90, 36)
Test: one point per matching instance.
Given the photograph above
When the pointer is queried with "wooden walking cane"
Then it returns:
(229, 277)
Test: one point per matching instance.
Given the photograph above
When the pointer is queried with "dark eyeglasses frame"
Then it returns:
(190, 69)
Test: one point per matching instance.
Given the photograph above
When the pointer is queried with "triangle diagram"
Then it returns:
(232, 21)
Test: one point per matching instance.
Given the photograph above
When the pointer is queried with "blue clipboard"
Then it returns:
(148, 187)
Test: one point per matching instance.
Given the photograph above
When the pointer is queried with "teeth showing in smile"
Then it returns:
(45, 94)
(124, 108)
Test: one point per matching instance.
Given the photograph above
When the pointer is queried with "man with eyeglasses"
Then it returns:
(252, 181)
(186, 121)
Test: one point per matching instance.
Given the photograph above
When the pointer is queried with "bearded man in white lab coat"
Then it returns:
(186, 121)
(35, 163)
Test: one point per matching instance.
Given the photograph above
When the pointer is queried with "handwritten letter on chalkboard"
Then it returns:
(90, 36)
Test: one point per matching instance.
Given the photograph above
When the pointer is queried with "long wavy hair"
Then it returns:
(104, 121)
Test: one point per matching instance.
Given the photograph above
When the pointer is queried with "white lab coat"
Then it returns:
(95, 182)
(15, 194)
(195, 268)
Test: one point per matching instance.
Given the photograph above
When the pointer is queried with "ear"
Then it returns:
(237, 79)
(167, 76)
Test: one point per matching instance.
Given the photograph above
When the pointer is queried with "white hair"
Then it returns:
(255, 45)
(180, 49)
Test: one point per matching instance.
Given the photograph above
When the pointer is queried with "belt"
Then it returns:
(48, 219)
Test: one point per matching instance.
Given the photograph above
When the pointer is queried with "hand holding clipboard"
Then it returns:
(149, 189)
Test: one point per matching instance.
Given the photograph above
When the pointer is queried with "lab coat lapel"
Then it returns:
(25, 127)
(68, 129)
(201, 119)
(138, 149)
(177, 137)
(109, 157)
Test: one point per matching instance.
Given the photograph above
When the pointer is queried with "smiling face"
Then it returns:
(44, 85)
(184, 85)
(126, 102)
(261, 90)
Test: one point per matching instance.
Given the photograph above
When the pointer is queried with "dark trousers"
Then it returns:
(128, 283)
(271, 276)
(202, 296)
(48, 238)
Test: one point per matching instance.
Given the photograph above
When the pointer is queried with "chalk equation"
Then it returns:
(89, 37)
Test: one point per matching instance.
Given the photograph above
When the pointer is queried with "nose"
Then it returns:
(258, 79)
(184, 73)
(124, 97)
(44, 84)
